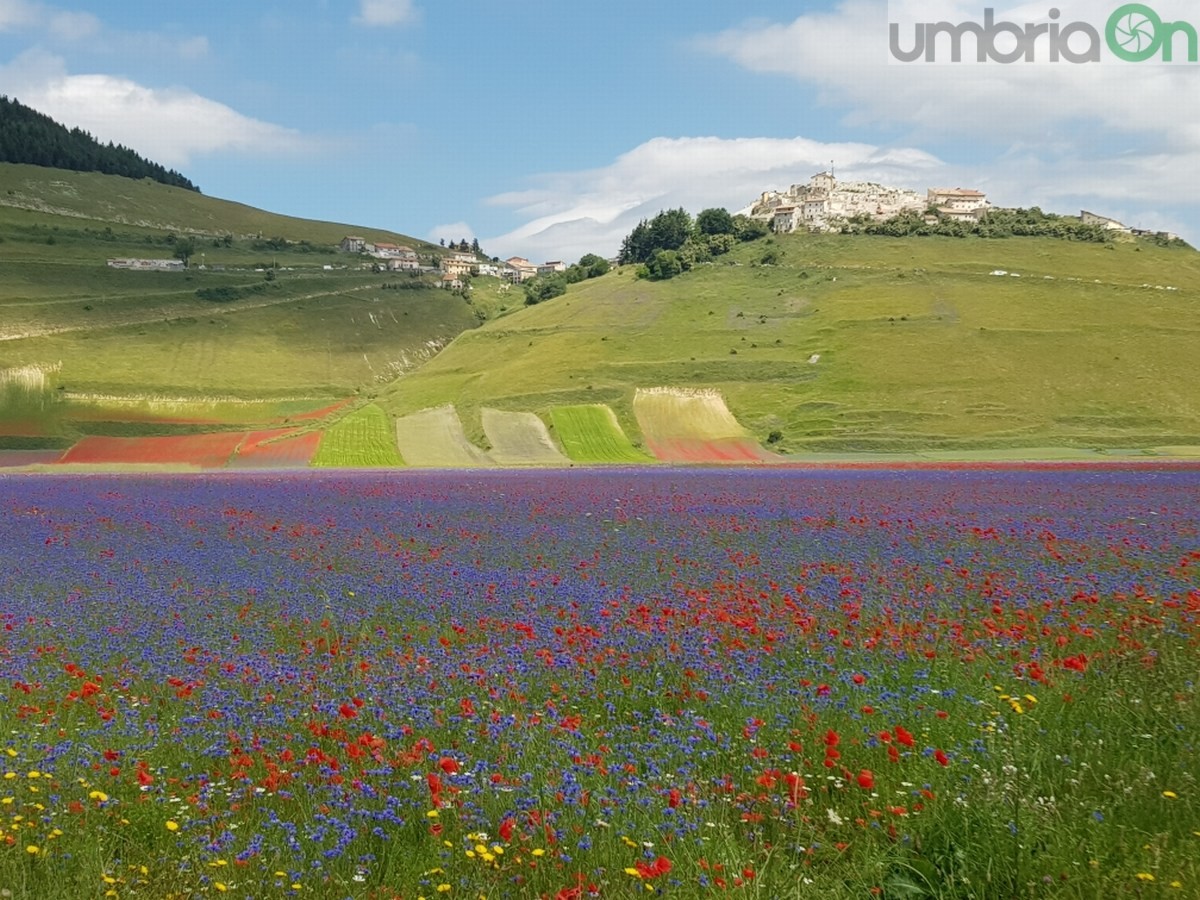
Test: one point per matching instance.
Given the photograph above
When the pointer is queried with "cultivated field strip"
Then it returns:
(590, 433)
(362, 439)
(693, 426)
(520, 439)
(435, 438)
(277, 448)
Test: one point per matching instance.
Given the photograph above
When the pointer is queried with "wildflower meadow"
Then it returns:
(572, 684)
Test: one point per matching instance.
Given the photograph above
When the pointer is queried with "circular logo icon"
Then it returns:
(1134, 32)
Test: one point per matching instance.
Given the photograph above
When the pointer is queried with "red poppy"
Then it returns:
(866, 779)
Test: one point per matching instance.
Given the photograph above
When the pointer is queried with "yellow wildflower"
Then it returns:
(1144, 876)
(172, 825)
(1170, 795)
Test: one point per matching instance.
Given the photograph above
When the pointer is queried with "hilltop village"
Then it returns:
(826, 204)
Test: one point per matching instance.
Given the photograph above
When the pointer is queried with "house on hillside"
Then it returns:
(786, 219)
(1090, 218)
(399, 257)
(451, 282)
(519, 269)
(457, 264)
(551, 268)
(960, 199)
(353, 244)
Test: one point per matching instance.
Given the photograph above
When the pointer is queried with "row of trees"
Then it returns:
(27, 136)
(547, 287)
(464, 246)
(672, 242)
(996, 223)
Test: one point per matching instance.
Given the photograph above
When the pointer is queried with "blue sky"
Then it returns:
(548, 129)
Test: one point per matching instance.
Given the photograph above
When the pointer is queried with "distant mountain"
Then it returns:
(28, 136)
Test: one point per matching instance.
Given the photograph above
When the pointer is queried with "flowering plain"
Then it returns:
(773, 684)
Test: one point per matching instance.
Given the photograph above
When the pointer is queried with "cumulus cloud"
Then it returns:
(568, 214)
(168, 125)
(17, 14)
(385, 12)
(454, 231)
(844, 54)
(72, 26)
(572, 213)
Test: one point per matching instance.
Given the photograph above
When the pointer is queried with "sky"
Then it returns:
(549, 129)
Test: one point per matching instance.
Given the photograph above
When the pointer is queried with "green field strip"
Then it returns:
(591, 434)
(363, 439)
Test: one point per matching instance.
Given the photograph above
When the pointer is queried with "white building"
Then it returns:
(1090, 218)
(956, 199)
(825, 203)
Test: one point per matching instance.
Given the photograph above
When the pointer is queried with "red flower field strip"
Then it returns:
(209, 451)
(727, 450)
(276, 449)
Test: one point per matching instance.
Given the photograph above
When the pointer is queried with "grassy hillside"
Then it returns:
(294, 322)
(113, 201)
(866, 343)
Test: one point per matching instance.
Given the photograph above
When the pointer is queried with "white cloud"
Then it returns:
(844, 53)
(167, 125)
(573, 213)
(17, 13)
(72, 26)
(454, 231)
(385, 12)
(568, 214)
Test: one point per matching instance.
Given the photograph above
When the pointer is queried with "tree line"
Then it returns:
(995, 223)
(672, 242)
(30, 137)
(547, 287)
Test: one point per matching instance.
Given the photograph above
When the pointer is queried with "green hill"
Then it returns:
(865, 343)
(28, 136)
(270, 317)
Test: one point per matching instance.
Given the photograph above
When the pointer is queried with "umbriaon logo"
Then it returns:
(1133, 33)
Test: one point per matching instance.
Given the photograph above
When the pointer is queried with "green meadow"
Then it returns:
(845, 345)
(362, 439)
(867, 344)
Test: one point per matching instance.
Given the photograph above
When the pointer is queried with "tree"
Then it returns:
(593, 265)
(475, 246)
(747, 229)
(715, 221)
(666, 231)
(541, 288)
(184, 248)
(664, 264)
